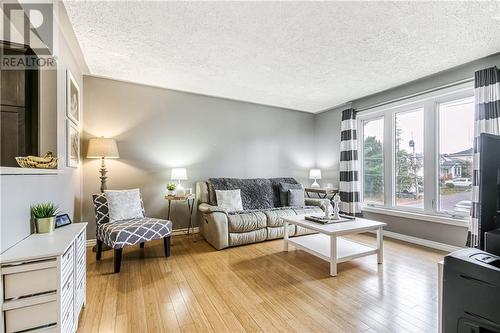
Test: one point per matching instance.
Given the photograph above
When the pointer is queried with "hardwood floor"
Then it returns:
(259, 288)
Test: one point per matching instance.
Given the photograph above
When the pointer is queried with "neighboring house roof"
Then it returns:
(467, 152)
(447, 161)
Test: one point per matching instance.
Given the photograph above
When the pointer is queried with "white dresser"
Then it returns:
(43, 281)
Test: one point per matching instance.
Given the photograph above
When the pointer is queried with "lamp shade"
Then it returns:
(179, 174)
(102, 147)
(315, 174)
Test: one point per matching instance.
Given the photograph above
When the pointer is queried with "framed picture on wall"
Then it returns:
(72, 98)
(72, 144)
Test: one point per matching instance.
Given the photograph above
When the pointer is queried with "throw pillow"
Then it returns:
(229, 199)
(284, 187)
(296, 198)
(275, 182)
(124, 205)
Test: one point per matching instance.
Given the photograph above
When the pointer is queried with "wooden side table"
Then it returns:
(189, 198)
(322, 193)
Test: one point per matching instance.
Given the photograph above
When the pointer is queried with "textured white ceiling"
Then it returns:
(301, 55)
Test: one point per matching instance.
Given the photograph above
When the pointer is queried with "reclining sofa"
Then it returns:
(261, 217)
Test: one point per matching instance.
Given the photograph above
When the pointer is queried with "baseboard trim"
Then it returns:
(389, 234)
(421, 241)
(183, 231)
(175, 232)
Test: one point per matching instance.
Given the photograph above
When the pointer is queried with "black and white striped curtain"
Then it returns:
(349, 165)
(487, 120)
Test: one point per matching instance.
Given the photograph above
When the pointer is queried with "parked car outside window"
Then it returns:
(462, 208)
(460, 182)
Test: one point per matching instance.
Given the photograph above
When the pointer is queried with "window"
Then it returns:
(456, 135)
(409, 158)
(416, 154)
(373, 160)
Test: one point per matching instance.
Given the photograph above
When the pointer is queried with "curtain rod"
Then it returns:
(420, 93)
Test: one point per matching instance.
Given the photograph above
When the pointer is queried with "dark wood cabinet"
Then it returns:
(18, 109)
(13, 87)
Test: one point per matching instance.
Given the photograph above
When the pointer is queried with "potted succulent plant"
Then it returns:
(45, 217)
(171, 188)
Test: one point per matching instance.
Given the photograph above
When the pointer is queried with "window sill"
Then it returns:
(9, 171)
(418, 216)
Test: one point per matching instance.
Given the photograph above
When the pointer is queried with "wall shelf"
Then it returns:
(9, 171)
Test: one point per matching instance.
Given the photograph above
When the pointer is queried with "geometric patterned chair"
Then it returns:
(123, 233)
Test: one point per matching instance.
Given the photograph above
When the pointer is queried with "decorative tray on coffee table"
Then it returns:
(328, 220)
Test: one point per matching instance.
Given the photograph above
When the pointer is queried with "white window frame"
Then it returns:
(438, 102)
(429, 102)
(361, 151)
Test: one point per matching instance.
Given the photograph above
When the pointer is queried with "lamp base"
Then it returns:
(315, 184)
(180, 190)
(103, 176)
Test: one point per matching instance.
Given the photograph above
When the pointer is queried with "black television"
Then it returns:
(489, 189)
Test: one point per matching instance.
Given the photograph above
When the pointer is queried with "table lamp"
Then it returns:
(179, 174)
(102, 148)
(315, 174)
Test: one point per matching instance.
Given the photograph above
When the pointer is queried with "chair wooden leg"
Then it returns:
(98, 250)
(141, 245)
(166, 245)
(118, 260)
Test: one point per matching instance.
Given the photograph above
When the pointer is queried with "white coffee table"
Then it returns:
(327, 244)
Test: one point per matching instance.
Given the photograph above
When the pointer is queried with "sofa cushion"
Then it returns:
(275, 216)
(279, 232)
(241, 238)
(284, 188)
(255, 193)
(275, 182)
(246, 221)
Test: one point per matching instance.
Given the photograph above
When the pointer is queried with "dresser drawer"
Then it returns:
(68, 319)
(50, 329)
(29, 279)
(67, 262)
(80, 241)
(30, 317)
(79, 294)
(80, 267)
(67, 291)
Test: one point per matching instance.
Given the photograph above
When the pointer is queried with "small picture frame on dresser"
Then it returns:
(62, 220)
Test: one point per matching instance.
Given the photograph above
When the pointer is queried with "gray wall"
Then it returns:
(328, 127)
(437, 232)
(18, 192)
(327, 138)
(157, 129)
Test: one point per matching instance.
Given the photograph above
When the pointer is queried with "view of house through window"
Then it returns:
(373, 161)
(409, 158)
(456, 135)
